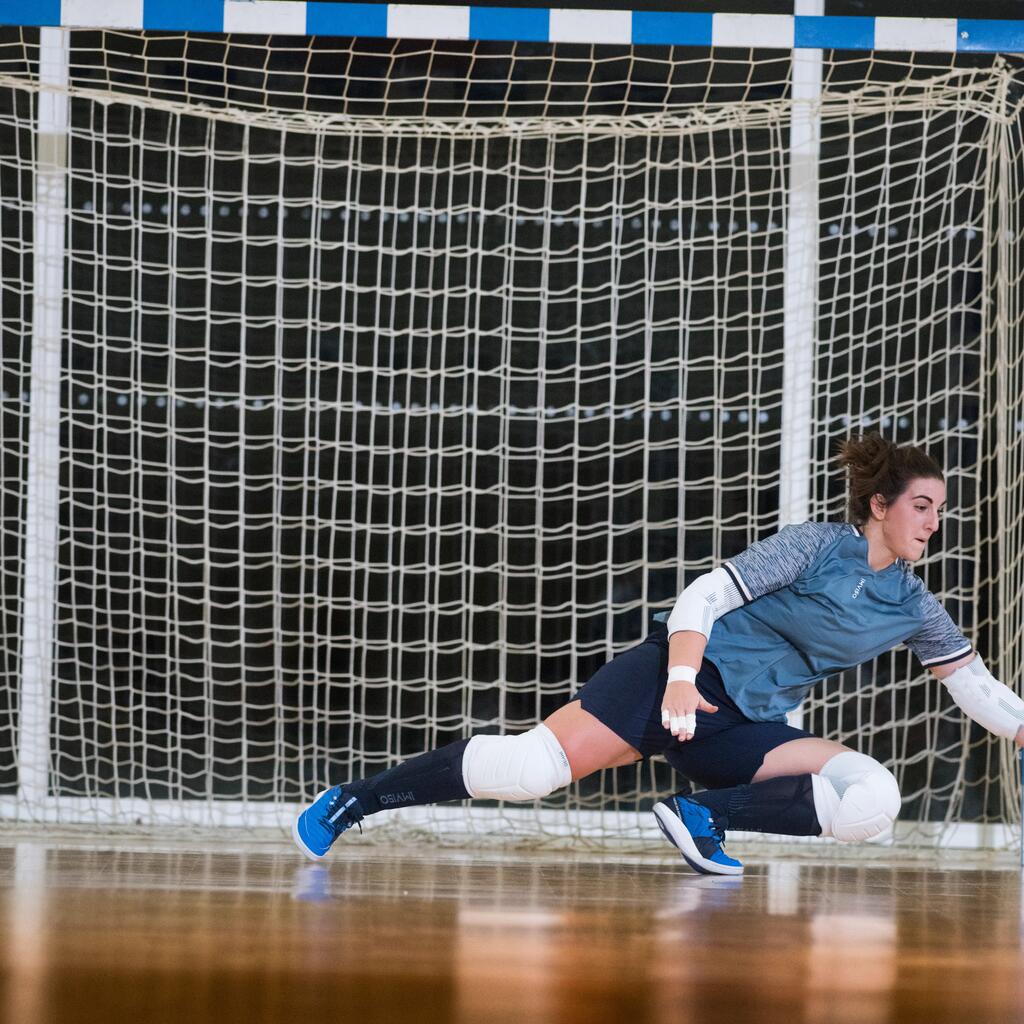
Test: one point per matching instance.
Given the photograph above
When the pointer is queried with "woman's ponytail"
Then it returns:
(875, 465)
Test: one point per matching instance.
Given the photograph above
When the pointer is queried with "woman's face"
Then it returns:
(909, 522)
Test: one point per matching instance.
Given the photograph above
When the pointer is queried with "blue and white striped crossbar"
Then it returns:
(523, 24)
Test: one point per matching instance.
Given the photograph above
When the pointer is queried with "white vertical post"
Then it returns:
(800, 288)
(44, 421)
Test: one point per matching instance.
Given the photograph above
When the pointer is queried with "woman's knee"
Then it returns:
(519, 767)
(856, 797)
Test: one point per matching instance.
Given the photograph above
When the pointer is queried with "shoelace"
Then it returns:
(346, 821)
(716, 830)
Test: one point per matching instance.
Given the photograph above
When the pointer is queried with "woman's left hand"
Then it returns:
(1020, 737)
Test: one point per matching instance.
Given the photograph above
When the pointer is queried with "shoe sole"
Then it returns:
(678, 835)
(305, 850)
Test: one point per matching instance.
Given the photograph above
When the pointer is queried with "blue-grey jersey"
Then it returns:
(814, 607)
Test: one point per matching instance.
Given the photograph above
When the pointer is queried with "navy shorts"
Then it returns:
(727, 748)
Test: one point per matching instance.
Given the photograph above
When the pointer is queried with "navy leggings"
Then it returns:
(727, 748)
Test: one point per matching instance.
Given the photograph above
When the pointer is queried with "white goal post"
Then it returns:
(361, 391)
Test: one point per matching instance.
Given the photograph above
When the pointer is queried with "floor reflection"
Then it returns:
(132, 932)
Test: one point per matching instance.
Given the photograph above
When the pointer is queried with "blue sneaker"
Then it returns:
(689, 827)
(330, 814)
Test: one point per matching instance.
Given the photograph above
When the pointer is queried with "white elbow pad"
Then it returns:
(707, 598)
(985, 699)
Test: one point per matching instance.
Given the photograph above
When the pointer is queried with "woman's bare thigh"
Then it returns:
(588, 744)
(798, 757)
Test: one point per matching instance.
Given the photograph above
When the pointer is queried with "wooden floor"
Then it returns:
(134, 931)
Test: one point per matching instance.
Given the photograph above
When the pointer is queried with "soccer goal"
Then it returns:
(370, 375)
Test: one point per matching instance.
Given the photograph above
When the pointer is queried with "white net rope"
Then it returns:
(397, 392)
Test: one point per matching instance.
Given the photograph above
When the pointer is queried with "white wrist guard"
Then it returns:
(985, 699)
(682, 673)
(707, 598)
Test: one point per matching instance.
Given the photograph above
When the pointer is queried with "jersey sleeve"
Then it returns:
(776, 561)
(939, 640)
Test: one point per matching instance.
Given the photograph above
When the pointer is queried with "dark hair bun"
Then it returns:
(876, 465)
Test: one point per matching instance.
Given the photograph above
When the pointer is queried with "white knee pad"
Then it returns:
(526, 766)
(855, 797)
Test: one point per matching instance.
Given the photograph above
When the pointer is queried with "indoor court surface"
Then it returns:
(149, 930)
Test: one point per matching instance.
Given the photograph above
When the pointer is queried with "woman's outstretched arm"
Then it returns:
(983, 698)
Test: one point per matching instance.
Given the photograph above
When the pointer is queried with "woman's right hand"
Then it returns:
(679, 709)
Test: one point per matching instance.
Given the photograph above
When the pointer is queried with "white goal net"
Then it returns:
(359, 395)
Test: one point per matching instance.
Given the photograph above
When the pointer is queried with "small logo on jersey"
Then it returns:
(857, 589)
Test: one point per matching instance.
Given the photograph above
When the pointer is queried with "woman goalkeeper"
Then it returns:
(710, 687)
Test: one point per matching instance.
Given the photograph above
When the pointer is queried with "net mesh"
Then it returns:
(402, 381)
